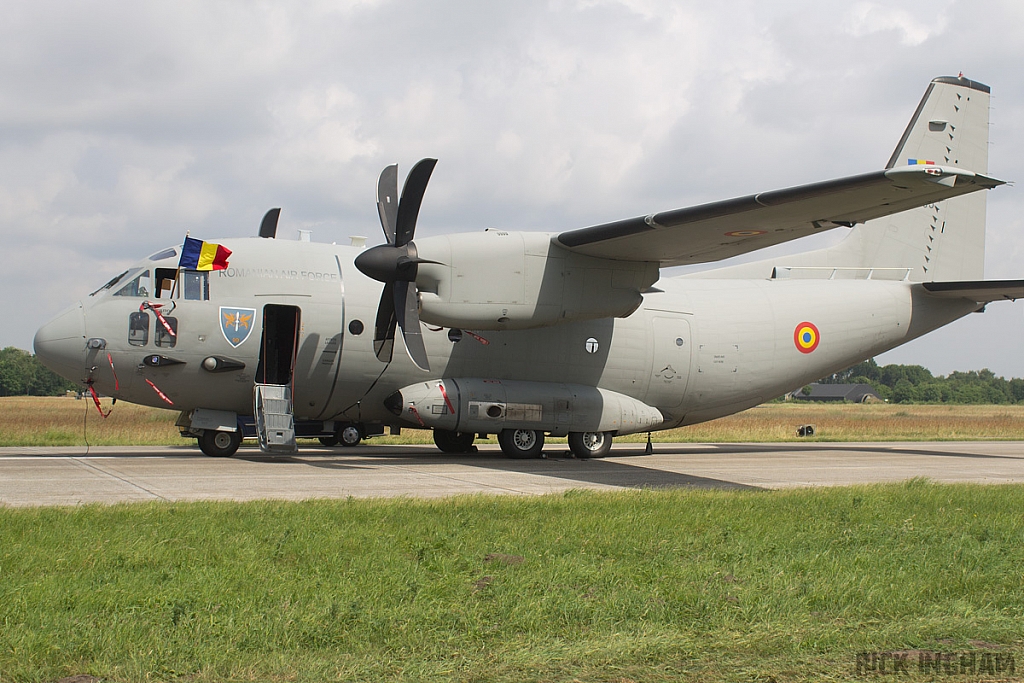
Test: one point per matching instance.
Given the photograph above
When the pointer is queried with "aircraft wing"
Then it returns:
(982, 291)
(711, 232)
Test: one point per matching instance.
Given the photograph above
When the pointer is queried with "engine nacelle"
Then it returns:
(490, 405)
(498, 280)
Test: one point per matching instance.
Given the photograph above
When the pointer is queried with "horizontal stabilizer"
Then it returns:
(982, 291)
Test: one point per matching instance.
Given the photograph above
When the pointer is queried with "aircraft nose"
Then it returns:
(60, 343)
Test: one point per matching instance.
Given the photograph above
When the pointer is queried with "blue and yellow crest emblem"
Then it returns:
(236, 323)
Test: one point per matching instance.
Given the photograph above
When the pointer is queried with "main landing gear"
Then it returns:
(526, 443)
(590, 444)
(454, 442)
(521, 443)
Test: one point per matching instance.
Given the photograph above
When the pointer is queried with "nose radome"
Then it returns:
(60, 343)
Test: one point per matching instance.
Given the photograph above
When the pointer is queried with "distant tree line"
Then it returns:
(915, 384)
(21, 374)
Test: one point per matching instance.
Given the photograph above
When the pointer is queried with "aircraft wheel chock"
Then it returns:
(350, 436)
(521, 443)
(219, 444)
(590, 444)
(328, 440)
(454, 442)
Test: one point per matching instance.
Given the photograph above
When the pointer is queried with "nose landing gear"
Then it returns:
(217, 444)
(350, 435)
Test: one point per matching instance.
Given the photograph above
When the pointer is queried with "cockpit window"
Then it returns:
(196, 285)
(113, 281)
(165, 254)
(139, 286)
(172, 283)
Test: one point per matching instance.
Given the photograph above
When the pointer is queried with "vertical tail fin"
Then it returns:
(949, 128)
(938, 242)
(944, 241)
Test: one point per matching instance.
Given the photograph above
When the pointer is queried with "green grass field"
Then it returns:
(45, 421)
(585, 586)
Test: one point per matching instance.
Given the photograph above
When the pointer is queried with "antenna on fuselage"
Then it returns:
(268, 228)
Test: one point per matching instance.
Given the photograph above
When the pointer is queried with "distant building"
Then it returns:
(854, 393)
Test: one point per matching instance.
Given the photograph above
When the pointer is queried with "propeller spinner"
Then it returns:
(396, 263)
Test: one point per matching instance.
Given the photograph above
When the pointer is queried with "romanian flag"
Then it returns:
(920, 162)
(200, 255)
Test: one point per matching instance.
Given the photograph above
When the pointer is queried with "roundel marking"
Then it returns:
(591, 345)
(745, 233)
(806, 337)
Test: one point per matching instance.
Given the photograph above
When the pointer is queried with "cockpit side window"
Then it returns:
(165, 283)
(139, 286)
(194, 285)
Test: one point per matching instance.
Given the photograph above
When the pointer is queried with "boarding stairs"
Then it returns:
(275, 421)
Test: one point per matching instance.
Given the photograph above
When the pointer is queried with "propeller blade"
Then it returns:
(384, 328)
(412, 197)
(387, 201)
(407, 308)
(268, 228)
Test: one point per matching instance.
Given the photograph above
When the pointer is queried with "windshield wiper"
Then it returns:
(110, 284)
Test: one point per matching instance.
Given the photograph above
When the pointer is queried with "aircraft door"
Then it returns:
(670, 360)
(279, 343)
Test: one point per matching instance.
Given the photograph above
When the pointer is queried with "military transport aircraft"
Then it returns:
(527, 334)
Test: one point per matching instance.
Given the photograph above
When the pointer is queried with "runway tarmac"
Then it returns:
(70, 476)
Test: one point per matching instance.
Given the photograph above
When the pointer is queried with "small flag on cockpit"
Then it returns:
(200, 255)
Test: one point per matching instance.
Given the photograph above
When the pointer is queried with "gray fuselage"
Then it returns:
(696, 349)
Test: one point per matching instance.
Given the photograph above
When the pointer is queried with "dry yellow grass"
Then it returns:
(65, 421)
(43, 421)
(859, 422)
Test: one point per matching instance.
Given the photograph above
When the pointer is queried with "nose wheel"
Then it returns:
(219, 444)
(350, 436)
(346, 436)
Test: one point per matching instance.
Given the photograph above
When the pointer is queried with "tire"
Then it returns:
(521, 443)
(350, 436)
(328, 440)
(454, 442)
(585, 445)
(219, 444)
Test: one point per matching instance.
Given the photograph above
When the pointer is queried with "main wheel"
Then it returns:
(350, 436)
(454, 442)
(590, 444)
(219, 444)
(521, 443)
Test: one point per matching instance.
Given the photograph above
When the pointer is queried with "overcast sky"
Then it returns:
(122, 125)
